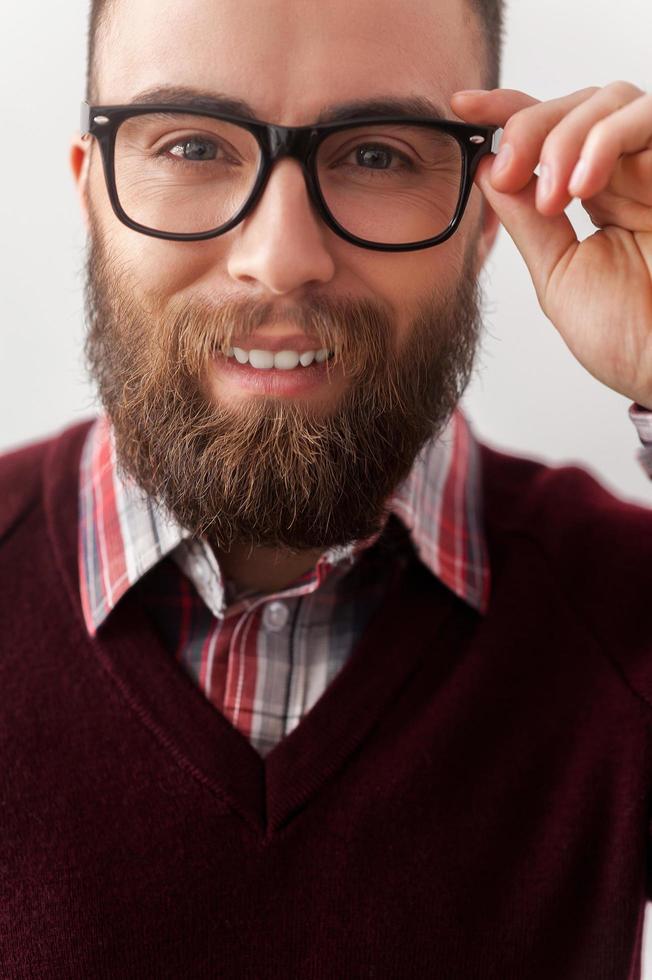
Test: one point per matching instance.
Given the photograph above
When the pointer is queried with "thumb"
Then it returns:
(541, 239)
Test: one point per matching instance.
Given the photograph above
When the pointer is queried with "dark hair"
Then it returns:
(490, 14)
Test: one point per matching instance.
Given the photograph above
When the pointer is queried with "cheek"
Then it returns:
(405, 280)
(158, 265)
(172, 267)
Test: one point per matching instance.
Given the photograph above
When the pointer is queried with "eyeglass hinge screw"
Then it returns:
(101, 120)
(476, 139)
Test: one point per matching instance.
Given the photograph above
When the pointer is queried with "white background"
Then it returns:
(529, 395)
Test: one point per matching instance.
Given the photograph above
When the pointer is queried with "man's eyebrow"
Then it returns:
(418, 106)
(198, 98)
(415, 105)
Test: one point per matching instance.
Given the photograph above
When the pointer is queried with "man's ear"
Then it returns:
(80, 159)
(489, 225)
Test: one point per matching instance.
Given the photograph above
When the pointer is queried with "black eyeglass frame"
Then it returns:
(298, 142)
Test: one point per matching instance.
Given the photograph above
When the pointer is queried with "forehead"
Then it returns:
(290, 58)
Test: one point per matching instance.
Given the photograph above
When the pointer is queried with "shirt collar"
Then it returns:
(123, 533)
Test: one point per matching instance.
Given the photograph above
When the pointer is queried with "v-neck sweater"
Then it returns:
(470, 796)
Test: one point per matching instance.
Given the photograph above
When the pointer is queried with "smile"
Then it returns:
(282, 360)
(279, 374)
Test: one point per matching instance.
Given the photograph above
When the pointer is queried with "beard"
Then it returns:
(271, 472)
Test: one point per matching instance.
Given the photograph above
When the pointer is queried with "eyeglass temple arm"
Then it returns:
(85, 118)
(495, 140)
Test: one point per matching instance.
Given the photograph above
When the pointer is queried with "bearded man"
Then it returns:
(299, 679)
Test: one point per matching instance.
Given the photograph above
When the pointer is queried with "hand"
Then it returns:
(597, 293)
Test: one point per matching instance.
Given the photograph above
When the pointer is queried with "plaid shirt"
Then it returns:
(263, 660)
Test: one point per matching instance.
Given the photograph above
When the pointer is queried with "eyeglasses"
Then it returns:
(391, 183)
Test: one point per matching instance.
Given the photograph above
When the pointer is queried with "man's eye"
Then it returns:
(375, 157)
(194, 150)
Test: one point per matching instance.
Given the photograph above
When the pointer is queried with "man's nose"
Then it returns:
(282, 243)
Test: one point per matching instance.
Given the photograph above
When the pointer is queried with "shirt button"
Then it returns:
(275, 616)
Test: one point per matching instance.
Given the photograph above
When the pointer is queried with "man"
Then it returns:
(299, 680)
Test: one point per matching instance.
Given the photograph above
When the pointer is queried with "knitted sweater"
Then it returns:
(470, 797)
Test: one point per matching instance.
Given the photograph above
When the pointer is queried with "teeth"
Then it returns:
(283, 360)
(261, 359)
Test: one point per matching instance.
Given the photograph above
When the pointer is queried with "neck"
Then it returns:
(264, 569)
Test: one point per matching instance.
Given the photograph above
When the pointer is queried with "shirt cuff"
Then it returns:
(642, 419)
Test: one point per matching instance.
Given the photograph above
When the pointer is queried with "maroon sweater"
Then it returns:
(470, 797)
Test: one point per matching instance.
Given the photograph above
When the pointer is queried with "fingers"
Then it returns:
(627, 130)
(633, 177)
(554, 134)
(491, 106)
(561, 150)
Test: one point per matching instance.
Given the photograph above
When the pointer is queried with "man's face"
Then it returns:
(161, 311)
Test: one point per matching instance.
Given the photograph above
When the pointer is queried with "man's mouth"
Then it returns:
(282, 360)
(282, 373)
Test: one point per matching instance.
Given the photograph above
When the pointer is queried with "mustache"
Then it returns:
(358, 332)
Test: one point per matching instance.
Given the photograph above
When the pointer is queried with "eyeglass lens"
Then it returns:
(384, 183)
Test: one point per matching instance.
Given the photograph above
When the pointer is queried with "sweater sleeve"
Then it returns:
(598, 547)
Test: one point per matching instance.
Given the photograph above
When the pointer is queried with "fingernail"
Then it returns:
(472, 91)
(544, 183)
(577, 177)
(502, 159)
